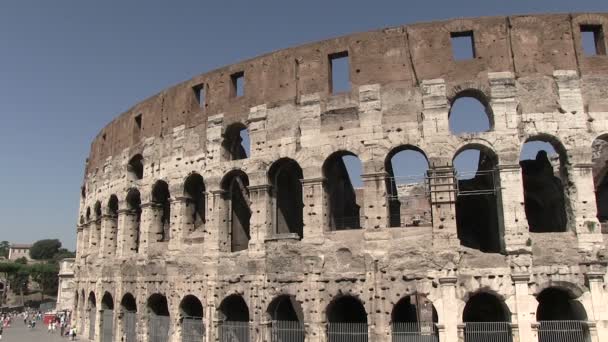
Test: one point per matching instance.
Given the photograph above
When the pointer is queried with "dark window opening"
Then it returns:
(287, 319)
(107, 302)
(199, 93)
(463, 45)
(161, 197)
(128, 303)
(134, 206)
(344, 190)
(339, 73)
(194, 189)
(544, 177)
(113, 206)
(477, 211)
(414, 317)
(238, 214)
(234, 309)
(88, 214)
(83, 191)
(347, 320)
(136, 167)
(555, 304)
(285, 176)
(485, 307)
(470, 113)
(158, 318)
(191, 307)
(593, 40)
(138, 119)
(238, 84)
(236, 143)
(97, 211)
(407, 188)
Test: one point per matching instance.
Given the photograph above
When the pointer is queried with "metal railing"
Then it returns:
(490, 189)
(193, 329)
(92, 319)
(107, 326)
(130, 326)
(158, 327)
(233, 331)
(563, 331)
(488, 332)
(347, 332)
(287, 331)
(414, 332)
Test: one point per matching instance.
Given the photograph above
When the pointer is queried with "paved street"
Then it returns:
(20, 333)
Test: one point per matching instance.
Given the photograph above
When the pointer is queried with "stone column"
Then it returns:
(181, 222)
(375, 209)
(128, 239)
(214, 138)
(443, 206)
(435, 108)
(315, 209)
(256, 124)
(524, 315)
(108, 235)
(85, 240)
(151, 226)
(516, 234)
(595, 278)
(261, 219)
(587, 226)
(94, 236)
(79, 242)
(450, 308)
(215, 224)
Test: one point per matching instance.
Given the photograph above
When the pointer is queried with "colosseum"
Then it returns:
(229, 207)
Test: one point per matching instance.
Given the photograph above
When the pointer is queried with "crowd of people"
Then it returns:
(57, 321)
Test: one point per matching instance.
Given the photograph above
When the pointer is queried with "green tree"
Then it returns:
(63, 253)
(4, 246)
(46, 275)
(21, 261)
(45, 249)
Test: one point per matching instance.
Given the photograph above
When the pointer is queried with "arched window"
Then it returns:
(347, 320)
(413, 319)
(97, 211)
(107, 318)
(92, 307)
(129, 320)
(161, 197)
(486, 318)
(477, 210)
(235, 186)
(234, 315)
(408, 197)
(113, 206)
(560, 316)
(287, 319)
(193, 328)
(470, 113)
(158, 318)
(236, 144)
(285, 176)
(135, 167)
(544, 175)
(134, 206)
(344, 190)
(194, 189)
(88, 214)
(600, 181)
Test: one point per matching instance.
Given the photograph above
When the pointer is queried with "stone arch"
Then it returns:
(344, 204)
(347, 319)
(92, 314)
(233, 308)
(414, 308)
(88, 215)
(475, 101)
(191, 313)
(135, 167)
(559, 303)
(285, 307)
(408, 201)
(112, 208)
(232, 143)
(107, 301)
(485, 306)
(478, 213)
(107, 317)
(97, 210)
(161, 197)
(194, 191)
(285, 177)
(159, 320)
(128, 306)
(133, 202)
(238, 212)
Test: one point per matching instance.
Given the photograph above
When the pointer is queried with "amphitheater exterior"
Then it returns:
(184, 235)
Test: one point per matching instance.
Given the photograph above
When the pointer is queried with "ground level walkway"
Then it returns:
(18, 332)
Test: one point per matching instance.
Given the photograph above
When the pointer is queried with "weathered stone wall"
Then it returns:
(533, 77)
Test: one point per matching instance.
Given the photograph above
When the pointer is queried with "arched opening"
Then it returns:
(193, 328)
(287, 319)
(407, 189)
(347, 320)
(236, 142)
(83, 310)
(477, 203)
(600, 171)
(92, 308)
(486, 318)
(470, 113)
(129, 320)
(544, 174)
(97, 209)
(88, 214)
(194, 189)
(285, 176)
(234, 315)
(135, 167)
(561, 317)
(413, 319)
(107, 318)
(344, 190)
(236, 195)
(158, 318)
(134, 219)
(161, 198)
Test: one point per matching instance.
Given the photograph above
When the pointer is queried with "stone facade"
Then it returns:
(66, 289)
(176, 221)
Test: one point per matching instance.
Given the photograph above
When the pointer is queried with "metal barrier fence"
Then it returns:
(159, 328)
(287, 331)
(347, 332)
(92, 318)
(414, 332)
(130, 326)
(563, 331)
(234, 331)
(107, 326)
(488, 332)
(193, 329)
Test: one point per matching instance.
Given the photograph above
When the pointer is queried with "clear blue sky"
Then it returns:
(68, 67)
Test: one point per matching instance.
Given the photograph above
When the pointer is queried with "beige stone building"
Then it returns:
(224, 208)
(18, 251)
(66, 289)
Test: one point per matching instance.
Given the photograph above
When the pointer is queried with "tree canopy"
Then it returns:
(45, 249)
(4, 246)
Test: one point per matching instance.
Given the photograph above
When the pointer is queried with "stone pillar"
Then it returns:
(435, 108)
(256, 124)
(181, 222)
(215, 224)
(128, 239)
(94, 236)
(515, 332)
(85, 240)
(375, 209)
(443, 206)
(503, 102)
(315, 209)
(214, 138)
(595, 278)
(151, 226)
(593, 335)
(516, 234)
(108, 235)
(587, 226)
(524, 315)
(79, 242)
(261, 216)
(450, 308)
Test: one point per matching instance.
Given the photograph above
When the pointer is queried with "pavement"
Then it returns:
(18, 332)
